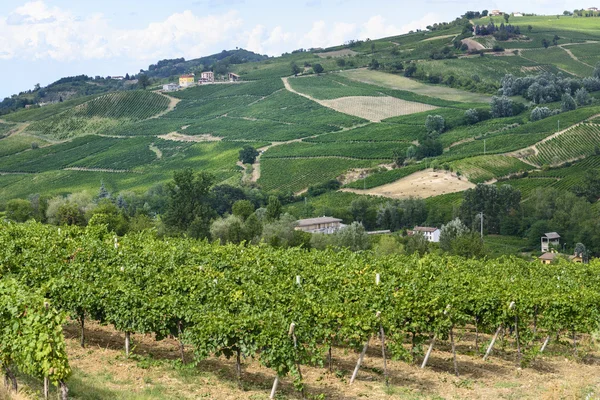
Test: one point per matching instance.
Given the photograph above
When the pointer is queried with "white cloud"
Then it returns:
(37, 31)
(422, 23)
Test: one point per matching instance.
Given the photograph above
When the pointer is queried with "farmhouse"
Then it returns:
(186, 80)
(118, 78)
(577, 258)
(517, 14)
(548, 258)
(319, 225)
(170, 87)
(208, 76)
(550, 239)
(233, 77)
(431, 234)
(595, 9)
(496, 13)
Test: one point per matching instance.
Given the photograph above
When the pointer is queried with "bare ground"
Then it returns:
(376, 108)
(102, 368)
(473, 44)
(422, 184)
(338, 53)
(178, 137)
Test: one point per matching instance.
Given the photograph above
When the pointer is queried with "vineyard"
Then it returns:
(578, 142)
(361, 151)
(559, 57)
(278, 305)
(298, 174)
(104, 112)
(484, 168)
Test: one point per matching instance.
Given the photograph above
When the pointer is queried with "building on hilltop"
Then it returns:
(594, 9)
(208, 76)
(323, 224)
(517, 14)
(233, 77)
(431, 234)
(118, 78)
(187, 80)
(550, 239)
(170, 87)
(496, 13)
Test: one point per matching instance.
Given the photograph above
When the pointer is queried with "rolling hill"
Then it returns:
(351, 122)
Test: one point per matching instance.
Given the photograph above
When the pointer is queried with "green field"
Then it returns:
(560, 58)
(297, 174)
(484, 168)
(575, 143)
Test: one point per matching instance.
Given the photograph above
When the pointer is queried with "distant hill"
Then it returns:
(82, 85)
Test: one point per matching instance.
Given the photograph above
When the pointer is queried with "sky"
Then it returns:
(44, 40)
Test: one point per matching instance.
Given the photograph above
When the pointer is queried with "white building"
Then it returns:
(431, 234)
(208, 76)
(550, 239)
(170, 87)
(319, 225)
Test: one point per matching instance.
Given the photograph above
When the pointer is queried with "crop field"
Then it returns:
(203, 109)
(5, 128)
(559, 57)
(452, 116)
(484, 168)
(104, 112)
(261, 88)
(575, 143)
(527, 186)
(376, 109)
(399, 82)
(383, 151)
(288, 107)
(331, 86)
(385, 177)
(586, 53)
(298, 174)
(39, 113)
(381, 132)
(565, 178)
(150, 127)
(236, 128)
(18, 143)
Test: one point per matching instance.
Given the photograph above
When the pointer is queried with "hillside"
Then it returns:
(352, 122)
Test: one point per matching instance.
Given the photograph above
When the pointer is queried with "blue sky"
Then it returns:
(44, 40)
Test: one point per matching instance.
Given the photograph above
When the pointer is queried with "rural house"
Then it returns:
(550, 239)
(496, 13)
(187, 80)
(548, 258)
(233, 77)
(319, 225)
(170, 87)
(208, 76)
(431, 234)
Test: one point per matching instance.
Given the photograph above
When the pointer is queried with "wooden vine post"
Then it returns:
(362, 355)
(432, 343)
(292, 334)
(489, 349)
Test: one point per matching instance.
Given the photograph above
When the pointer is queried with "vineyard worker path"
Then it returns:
(173, 101)
(533, 150)
(573, 56)
(422, 184)
(178, 137)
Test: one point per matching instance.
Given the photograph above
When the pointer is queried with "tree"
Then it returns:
(567, 103)
(555, 40)
(243, 209)
(273, 209)
(228, 229)
(589, 188)
(597, 71)
(248, 154)
(545, 43)
(340, 62)
(484, 13)
(318, 68)
(222, 198)
(451, 231)
(472, 116)
(103, 193)
(143, 81)
(374, 64)
(502, 106)
(539, 113)
(506, 17)
(435, 124)
(295, 68)
(496, 203)
(417, 243)
(582, 97)
(19, 210)
(188, 209)
(430, 148)
(388, 216)
(279, 232)
(353, 236)
(529, 28)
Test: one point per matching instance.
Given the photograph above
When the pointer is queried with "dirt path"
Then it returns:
(156, 151)
(173, 101)
(522, 154)
(179, 137)
(289, 88)
(573, 56)
(116, 171)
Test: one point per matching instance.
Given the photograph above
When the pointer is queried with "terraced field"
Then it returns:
(104, 112)
(297, 174)
(578, 142)
(484, 168)
(560, 58)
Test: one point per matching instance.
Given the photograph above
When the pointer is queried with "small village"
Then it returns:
(189, 80)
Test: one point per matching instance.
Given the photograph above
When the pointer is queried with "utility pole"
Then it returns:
(484, 147)
(481, 222)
